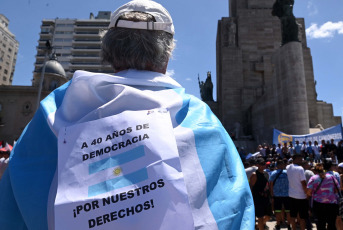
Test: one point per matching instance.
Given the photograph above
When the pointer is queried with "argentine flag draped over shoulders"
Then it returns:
(217, 188)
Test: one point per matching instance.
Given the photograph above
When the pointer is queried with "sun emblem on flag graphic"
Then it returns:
(116, 171)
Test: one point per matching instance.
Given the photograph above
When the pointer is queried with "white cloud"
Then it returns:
(312, 8)
(188, 79)
(170, 72)
(327, 30)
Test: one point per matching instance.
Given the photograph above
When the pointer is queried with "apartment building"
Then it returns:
(76, 43)
(8, 52)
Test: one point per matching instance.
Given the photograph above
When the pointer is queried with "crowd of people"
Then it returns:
(297, 185)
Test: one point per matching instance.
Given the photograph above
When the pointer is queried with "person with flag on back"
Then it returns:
(138, 44)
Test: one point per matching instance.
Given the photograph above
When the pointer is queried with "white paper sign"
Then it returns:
(121, 172)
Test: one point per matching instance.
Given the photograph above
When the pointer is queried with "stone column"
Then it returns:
(290, 89)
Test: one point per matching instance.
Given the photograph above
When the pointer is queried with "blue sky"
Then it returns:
(196, 27)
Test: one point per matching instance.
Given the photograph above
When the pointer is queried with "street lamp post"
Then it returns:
(48, 48)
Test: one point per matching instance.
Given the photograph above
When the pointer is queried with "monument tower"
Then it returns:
(262, 82)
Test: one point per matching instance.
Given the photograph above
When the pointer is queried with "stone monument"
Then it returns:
(289, 27)
(206, 88)
(265, 76)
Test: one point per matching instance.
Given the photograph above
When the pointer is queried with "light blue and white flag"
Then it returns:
(217, 189)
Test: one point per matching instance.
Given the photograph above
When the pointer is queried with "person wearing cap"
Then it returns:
(138, 44)
(297, 192)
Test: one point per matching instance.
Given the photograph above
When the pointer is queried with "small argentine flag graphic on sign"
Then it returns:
(120, 179)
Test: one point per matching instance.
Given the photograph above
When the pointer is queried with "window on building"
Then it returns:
(5, 71)
(5, 38)
(27, 108)
(45, 30)
(10, 50)
(4, 78)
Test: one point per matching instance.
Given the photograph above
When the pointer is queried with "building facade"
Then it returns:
(18, 104)
(76, 43)
(262, 85)
(8, 52)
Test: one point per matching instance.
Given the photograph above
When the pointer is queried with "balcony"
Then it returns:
(92, 43)
(84, 50)
(92, 58)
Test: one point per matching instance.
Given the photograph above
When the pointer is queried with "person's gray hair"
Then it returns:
(126, 48)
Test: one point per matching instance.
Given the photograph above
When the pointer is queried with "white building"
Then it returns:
(8, 52)
(76, 43)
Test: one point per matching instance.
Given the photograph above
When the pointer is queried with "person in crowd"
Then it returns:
(303, 149)
(297, 148)
(252, 168)
(309, 150)
(279, 192)
(262, 151)
(269, 168)
(324, 150)
(267, 148)
(336, 169)
(307, 170)
(330, 168)
(333, 147)
(278, 149)
(322, 189)
(316, 151)
(273, 150)
(291, 149)
(340, 171)
(138, 44)
(340, 151)
(260, 191)
(4, 159)
(285, 151)
(297, 192)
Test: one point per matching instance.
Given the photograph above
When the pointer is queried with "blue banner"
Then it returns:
(334, 132)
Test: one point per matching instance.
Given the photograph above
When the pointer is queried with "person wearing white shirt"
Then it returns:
(316, 150)
(291, 149)
(297, 192)
(278, 149)
(3, 163)
(303, 147)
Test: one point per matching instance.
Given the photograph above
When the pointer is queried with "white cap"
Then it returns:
(163, 19)
(340, 165)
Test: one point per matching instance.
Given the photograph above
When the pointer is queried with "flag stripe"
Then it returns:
(118, 182)
(117, 160)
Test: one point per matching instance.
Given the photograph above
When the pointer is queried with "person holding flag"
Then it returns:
(138, 44)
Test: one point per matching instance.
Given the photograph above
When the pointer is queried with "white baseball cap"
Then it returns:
(163, 19)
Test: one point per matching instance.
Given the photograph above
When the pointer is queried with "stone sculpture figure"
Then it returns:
(283, 9)
(206, 89)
